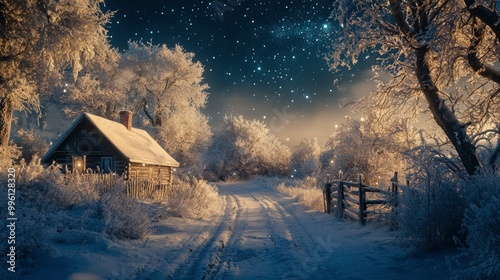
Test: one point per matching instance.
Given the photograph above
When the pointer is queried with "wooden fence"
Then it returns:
(134, 188)
(140, 188)
(350, 198)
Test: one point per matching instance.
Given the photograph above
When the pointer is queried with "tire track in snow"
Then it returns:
(231, 246)
(179, 258)
(204, 260)
(312, 251)
(285, 253)
(255, 229)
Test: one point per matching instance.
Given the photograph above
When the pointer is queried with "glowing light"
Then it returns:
(325, 26)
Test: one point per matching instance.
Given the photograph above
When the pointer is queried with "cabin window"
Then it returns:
(107, 164)
(78, 164)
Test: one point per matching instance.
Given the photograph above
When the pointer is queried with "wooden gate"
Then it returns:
(349, 199)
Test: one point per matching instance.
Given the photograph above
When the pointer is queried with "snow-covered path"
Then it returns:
(268, 240)
(265, 235)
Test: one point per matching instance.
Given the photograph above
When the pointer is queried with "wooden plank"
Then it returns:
(351, 184)
(353, 193)
(372, 189)
(352, 215)
(353, 210)
(352, 200)
(378, 201)
(345, 203)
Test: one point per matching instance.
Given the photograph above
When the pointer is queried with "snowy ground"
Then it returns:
(257, 234)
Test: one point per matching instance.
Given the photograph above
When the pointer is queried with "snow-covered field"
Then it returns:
(258, 233)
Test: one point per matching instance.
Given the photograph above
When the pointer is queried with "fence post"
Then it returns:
(328, 197)
(362, 202)
(340, 197)
(394, 183)
(394, 193)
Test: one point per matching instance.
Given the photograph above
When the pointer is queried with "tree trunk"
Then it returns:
(443, 115)
(6, 111)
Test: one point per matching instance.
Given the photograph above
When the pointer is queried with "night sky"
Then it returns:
(262, 59)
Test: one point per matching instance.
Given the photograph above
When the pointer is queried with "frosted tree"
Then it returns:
(94, 91)
(243, 148)
(305, 159)
(434, 54)
(165, 86)
(39, 41)
(371, 145)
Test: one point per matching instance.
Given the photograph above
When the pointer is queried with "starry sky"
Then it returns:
(263, 59)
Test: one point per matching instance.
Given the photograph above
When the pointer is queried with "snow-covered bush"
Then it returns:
(430, 215)
(34, 215)
(480, 258)
(53, 206)
(305, 159)
(243, 148)
(105, 205)
(124, 218)
(195, 199)
(32, 143)
(431, 208)
(306, 192)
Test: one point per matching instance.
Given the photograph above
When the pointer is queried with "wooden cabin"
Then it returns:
(101, 145)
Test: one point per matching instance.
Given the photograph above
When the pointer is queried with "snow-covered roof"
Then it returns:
(135, 144)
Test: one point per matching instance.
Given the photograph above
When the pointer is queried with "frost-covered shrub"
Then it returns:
(196, 199)
(32, 143)
(33, 226)
(431, 208)
(106, 207)
(35, 215)
(430, 217)
(78, 202)
(124, 217)
(480, 259)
